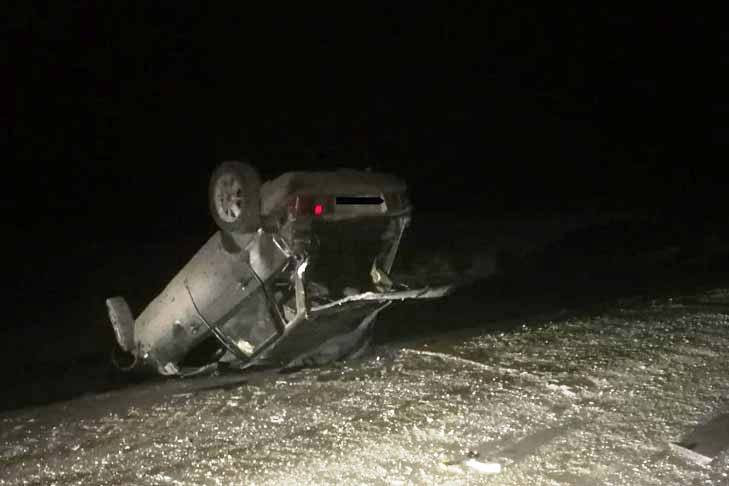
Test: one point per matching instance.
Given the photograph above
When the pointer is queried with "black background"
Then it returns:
(118, 114)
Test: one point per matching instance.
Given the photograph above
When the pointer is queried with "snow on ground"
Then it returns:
(589, 399)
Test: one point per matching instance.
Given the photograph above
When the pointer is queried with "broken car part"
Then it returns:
(299, 269)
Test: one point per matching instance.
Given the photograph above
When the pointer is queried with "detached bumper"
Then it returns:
(399, 295)
(335, 329)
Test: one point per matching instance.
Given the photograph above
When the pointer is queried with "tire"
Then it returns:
(234, 197)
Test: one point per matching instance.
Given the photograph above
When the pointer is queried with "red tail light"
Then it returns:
(308, 205)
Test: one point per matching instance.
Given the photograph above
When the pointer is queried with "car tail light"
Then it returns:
(310, 205)
(317, 206)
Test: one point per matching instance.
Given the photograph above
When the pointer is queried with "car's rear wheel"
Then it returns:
(235, 197)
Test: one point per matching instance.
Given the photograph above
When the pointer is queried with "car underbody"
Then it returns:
(303, 283)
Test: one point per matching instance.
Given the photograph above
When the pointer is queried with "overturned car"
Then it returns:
(297, 273)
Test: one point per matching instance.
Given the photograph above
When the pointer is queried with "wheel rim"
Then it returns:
(228, 195)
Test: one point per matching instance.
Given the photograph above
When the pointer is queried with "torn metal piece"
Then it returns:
(703, 444)
(380, 278)
(300, 288)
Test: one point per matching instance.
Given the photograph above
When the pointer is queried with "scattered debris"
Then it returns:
(483, 467)
(705, 442)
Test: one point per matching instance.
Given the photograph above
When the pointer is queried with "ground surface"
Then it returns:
(591, 399)
(589, 353)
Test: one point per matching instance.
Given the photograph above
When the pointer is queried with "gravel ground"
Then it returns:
(590, 398)
(597, 343)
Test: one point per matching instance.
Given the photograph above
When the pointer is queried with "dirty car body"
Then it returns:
(297, 274)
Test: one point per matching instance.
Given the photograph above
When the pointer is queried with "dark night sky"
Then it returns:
(116, 116)
(120, 113)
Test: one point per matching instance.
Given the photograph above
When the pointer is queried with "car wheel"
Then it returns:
(235, 197)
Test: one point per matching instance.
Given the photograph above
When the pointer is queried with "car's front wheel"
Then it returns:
(235, 197)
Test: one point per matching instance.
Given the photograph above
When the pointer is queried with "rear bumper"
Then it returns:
(335, 328)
